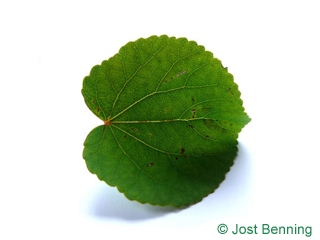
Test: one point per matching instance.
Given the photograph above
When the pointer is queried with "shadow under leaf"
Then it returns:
(107, 202)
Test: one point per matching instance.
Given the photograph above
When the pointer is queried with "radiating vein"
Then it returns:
(138, 167)
(160, 82)
(154, 148)
(132, 76)
(159, 92)
(198, 103)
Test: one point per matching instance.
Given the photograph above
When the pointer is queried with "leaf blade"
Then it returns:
(144, 182)
(172, 115)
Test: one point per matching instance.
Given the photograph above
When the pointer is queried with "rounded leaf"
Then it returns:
(171, 117)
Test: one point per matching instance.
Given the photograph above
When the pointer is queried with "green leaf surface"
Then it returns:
(171, 117)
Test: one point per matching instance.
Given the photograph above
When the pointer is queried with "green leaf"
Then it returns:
(171, 117)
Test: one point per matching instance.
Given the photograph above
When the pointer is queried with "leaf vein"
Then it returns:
(137, 166)
(132, 76)
(159, 150)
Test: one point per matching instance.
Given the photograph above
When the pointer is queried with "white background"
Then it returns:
(48, 47)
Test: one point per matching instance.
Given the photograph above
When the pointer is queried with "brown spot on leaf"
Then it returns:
(207, 136)
(177, 158)
(98, 109)
(133, 129)
(125, 136)
(151, 164)
(93, 102)
(182, 73)
(182, 151)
